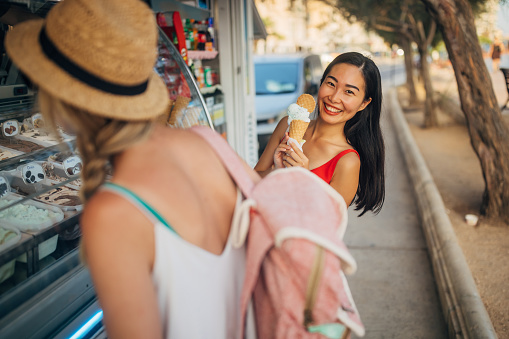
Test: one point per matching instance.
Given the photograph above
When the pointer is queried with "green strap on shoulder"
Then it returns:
(131, 196)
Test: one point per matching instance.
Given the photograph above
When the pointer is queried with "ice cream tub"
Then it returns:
(39, 137)
(59, 157)
(28, 178)
(45, 248)
(68, 167)
(38, 177)
(64, 197)
(9, 237)
(55, 174)
(29, 215)
(7, 153)
(19, 145)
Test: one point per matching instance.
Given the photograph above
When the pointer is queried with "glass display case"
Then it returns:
(42, 280)
(187, 105)
(191, 27)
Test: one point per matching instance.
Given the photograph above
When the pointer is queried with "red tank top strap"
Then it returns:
(326, 171)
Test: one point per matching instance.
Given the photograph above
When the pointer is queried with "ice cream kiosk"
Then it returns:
(45, 291)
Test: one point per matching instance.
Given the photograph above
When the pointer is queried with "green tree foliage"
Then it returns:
(401, 22)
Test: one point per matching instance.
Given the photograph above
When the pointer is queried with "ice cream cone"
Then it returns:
(307, 101)
(297, 129)
(298, 117)
(165, 117)
(178, 110)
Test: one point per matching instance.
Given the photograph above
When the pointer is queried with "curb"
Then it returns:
(463, 309)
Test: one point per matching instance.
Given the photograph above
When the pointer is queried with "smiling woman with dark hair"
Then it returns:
(344, 144)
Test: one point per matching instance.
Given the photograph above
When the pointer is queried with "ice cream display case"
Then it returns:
(191, 28)
(42, 280)
(187, 105)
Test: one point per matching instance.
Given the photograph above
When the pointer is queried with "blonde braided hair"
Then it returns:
(98, 139)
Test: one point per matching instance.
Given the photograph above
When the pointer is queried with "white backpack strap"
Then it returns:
(230, 159)
(338, 248)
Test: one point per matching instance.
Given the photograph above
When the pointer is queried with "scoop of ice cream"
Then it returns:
(25, 215)
(296, 112)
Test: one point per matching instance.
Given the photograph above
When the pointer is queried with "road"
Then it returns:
(394, 287)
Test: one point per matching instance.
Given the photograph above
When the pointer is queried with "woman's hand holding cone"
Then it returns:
(281, 151)
(295, 157)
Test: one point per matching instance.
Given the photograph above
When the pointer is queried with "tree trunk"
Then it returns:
(488, 133)
(409, 68)
(430, 111)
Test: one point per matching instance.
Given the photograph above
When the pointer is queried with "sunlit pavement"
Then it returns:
(394, 287)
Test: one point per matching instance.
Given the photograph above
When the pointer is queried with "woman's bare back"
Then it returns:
(183, 179)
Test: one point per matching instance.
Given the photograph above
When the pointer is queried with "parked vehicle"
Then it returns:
(280, 79)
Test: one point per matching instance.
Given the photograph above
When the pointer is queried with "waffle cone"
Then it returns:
(306, 101)
(297, 129)
(164, 118)
(178, 110)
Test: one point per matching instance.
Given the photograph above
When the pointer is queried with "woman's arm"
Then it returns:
(119, 250)
(346, 177)
(269, 156)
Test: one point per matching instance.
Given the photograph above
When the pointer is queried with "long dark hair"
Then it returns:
(364, 134)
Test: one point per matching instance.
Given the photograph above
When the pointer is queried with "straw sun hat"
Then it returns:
(97, 55)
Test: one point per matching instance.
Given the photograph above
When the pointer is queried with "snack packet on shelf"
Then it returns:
(298, 118)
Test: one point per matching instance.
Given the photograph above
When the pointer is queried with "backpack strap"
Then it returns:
(229, 158)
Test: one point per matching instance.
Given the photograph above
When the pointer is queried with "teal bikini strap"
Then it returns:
(134, 199)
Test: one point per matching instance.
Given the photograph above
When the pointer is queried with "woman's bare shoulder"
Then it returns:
(350, 160)
(348, 165)
(110, 223)
(106, 208)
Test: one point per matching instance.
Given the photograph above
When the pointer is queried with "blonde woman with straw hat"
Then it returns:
(157, 237)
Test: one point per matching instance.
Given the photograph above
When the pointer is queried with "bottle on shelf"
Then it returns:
(207, 76)
(188, 32)
(211, 43)
(202, 37)
(194, 44)
(198, 73)
(215, 77)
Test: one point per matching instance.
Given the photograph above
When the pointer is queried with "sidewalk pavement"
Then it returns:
(462, 305)
(394, 288)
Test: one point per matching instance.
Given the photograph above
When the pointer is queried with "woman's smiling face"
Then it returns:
(341, 94)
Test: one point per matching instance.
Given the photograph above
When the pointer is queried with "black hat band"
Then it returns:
(51, 51)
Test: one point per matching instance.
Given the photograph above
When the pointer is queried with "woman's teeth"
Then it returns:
(332, 109)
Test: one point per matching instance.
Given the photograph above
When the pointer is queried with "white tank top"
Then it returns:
(198, 292)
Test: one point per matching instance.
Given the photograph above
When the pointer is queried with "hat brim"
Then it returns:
(22, 45)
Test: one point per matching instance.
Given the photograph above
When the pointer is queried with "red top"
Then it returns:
(326, 171)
